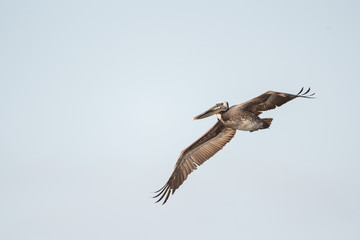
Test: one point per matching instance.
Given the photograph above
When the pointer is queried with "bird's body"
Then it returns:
(244, 117)
(239, 119)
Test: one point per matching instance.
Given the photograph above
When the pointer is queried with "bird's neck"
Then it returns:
(219, 117)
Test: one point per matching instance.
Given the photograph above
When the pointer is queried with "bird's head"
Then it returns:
(218, 108)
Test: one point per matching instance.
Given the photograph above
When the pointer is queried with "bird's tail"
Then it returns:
(266, 122)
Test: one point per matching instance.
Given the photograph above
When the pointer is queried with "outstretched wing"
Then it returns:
(195, 155)
(271, 100)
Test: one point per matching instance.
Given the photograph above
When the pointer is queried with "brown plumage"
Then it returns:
(239, 117)
(270, 100)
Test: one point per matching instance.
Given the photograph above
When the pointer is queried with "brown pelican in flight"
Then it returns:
(243, 117)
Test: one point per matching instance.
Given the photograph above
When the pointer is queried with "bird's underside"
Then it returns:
(244, 117)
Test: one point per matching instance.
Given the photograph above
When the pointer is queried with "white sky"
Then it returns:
(97, 100)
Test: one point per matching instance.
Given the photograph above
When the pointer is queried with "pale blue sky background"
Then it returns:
(97, 100)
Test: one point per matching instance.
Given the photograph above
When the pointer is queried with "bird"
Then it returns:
(244, 117)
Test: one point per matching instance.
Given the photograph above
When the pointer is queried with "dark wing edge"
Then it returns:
(195, 155)
(271, 100)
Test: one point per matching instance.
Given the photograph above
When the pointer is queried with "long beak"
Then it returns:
(208, 113)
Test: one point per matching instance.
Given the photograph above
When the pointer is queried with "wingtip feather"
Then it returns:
(305, 94)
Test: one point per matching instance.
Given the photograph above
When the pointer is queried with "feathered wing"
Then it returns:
(195, 155)
(271, 100)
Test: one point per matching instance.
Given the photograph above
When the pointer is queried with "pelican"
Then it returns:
(244, 117)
